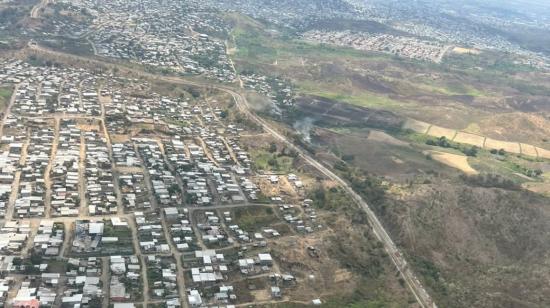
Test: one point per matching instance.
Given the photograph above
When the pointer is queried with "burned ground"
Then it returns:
(334, 113)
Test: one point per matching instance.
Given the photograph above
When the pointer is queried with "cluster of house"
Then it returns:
(56, 90)
(32, 186)
(195, 178)
(164, 183)
(69, 99)
(180, 228)
(213, 234)
(89, 96)
(101, 237)
(100, 186)
(162, 273)
(150, 233)
(135, 195)
(125, 273)
(170, 34)
(210, 164)
(208, 267)
(306, 223)
(124, 155)
(10, 157)
(79, 286)
(13, 71)
(64, 173)
(38, 94)
(84, 284)
(251, 266)
(198, 163)
(407, 47)
(212, 274)
(280, 91)
(14, 236)
(49, 238)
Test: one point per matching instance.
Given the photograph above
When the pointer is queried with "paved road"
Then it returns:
(416, 287)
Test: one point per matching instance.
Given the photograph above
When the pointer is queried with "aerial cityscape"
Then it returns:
(260, 153)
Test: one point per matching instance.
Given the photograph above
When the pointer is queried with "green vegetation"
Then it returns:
(491, 61)
(444, 87)
(430, 273)
(363, 99)
(445, 143)
(123, 245)
(5, 96)
(368, 186)
(256, 45)
(512, 167)
(364, 296)
(332, 199)
(490, 181)
(177, 122)
(254, 218)
(266, 160)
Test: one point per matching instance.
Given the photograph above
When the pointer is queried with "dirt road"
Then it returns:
(37, 9)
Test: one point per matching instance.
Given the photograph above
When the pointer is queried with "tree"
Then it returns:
(36, 258)
(273, 162)
(173, 189)
(272, 147)
(471, 151)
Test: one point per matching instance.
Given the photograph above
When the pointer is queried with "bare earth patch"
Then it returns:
(537, 187)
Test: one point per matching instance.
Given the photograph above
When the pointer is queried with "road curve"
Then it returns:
(415, 286)
(35, 12)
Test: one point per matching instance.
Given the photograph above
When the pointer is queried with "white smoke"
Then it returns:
(303, 127)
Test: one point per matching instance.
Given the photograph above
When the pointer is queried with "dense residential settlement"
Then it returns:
(95, 212)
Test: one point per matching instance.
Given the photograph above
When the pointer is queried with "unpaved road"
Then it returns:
(35, 12)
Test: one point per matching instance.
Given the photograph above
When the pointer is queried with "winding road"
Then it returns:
(416, 287)
(35, 12)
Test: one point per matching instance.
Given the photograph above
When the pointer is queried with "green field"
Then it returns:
(264, 160)
(5, 95)
(362, 99)
(255, 218)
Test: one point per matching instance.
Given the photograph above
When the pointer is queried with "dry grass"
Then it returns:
(543, 153)
(456, 161)
(468, 138)
(527, 149)
(511, 147)
(417, 126)
(462, 50)
(438, 131)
